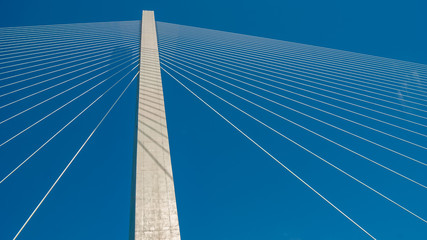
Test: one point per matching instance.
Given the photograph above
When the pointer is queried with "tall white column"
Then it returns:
(155, 206)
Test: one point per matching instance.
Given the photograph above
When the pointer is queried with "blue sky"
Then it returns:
(225, 187)
(385, 28)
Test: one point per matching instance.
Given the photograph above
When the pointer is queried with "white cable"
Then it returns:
(60, 83)
(306, 68)
(288, 120)
(270, 155)
(72, 160)
(43, 118)
(50, 42)
(107, 52)
(64, 53)
(62, 56)
(66, 125)
(282, 83)
(213, 34)
(73, 44)
(31, 36)
(37, 28)
(240, 44)
(312, 153)
(377, 144)
(304, 78)
(17, 41)
(314, 99)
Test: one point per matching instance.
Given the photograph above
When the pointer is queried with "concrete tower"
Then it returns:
(155, 206)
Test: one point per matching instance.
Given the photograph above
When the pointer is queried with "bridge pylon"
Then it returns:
(156, 214)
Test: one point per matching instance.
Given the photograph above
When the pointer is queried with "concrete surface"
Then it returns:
(156, 214)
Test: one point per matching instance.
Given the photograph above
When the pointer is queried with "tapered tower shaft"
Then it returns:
(155, 206)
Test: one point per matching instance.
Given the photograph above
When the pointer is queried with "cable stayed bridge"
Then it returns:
(347, 130)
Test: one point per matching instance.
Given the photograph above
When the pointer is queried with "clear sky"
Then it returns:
(225, 188)
(385, 28)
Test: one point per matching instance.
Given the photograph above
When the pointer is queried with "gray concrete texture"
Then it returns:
(156, 214)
